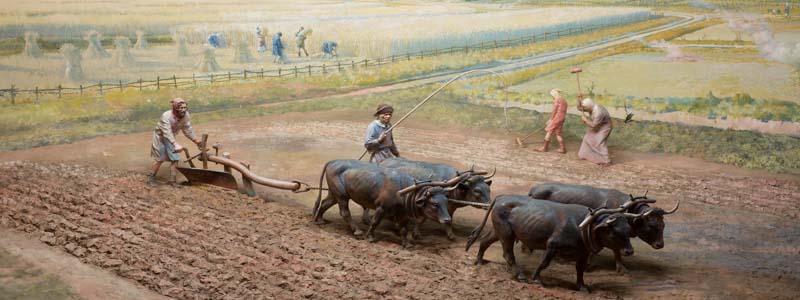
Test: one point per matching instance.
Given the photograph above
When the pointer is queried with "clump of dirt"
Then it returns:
(203, 242)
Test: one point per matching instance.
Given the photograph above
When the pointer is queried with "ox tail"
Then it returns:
(477, 231)
(319, 194)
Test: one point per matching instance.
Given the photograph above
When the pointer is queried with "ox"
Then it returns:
(570, 231)
(392, 194)
(475, 188)
(649, 227)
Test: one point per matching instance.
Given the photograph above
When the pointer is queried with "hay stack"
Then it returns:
(72, 59)
(95, 49)
(208, 62)
(180, 41)
(122, 57)
(31, 46)
(242, 53)
(141, 41)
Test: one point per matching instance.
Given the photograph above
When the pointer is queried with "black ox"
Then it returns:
(392, 194)
(474, 188)
(567, 230)
(649, 227)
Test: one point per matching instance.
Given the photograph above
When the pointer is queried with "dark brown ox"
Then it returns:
(392, 194)
(474, 188)
(567, 230)
(649, 228)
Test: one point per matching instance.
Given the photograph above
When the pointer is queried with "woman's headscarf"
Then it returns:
(176, 103)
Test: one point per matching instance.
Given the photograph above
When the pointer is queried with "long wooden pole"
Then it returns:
(431, 96)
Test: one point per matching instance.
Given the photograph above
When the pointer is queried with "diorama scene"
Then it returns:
(320, 149)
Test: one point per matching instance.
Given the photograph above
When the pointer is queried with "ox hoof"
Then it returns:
(358, 232)
(451, 236)
(537, 281)
(371, 239)
(521, 277)
(481, 261)
(583, 288)
(622, 271)
(321, 221)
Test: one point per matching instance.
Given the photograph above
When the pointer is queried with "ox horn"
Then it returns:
(490, 176)
(645, 193)
(637, 200)
(673, 210)
(451, 182)
(634, 216)
(594, 213)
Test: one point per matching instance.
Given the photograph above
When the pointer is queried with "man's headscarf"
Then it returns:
(176, 103)
(383, 109)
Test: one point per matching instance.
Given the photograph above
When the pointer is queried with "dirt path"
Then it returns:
(88, 282)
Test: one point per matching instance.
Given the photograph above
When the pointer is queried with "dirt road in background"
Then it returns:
(735, 234)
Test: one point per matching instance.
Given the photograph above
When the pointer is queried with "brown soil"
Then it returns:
(735, 234)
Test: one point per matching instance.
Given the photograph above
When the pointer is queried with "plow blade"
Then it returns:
(218, 178)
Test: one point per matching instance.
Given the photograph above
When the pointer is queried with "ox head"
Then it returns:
(650, 226)
(609, 228)
(429, 199)
(476, 188)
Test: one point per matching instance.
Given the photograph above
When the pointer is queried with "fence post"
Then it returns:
(435, 52)
(13, 97)
(80, 89)
(280, 71)
(295, 71)
(100, 84)
(365, 63)
(245, 74)
(158, 82)
(174, 81)
(466, 49)
(545, 35)
(212, 78)
(324, 71)
(354, 64)
(422, 54)
(229, 76)
(408, 56)
(36, 91)
(194, 80)
(339, 66)
(120, 86)
(140, 84)
(309, 70)
(262, 73)
(59, 91)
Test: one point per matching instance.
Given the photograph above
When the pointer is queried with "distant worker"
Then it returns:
(261, 37)
(277, 48)
(786, 10)
(300, 40)
(165, 146)
(329, 49)
(594, 147)
(214, 40)
(556, 122)
(378, 140)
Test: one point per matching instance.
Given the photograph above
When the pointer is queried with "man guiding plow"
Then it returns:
(165, 146)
